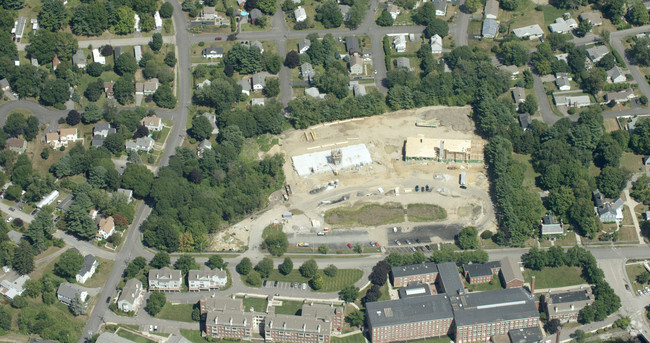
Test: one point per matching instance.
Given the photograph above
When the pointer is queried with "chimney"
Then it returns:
(532, 285)
(557, 336)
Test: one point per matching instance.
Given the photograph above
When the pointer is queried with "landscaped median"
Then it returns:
(370, 214)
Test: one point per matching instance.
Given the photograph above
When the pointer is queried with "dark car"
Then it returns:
(627, 287)
(417, 188)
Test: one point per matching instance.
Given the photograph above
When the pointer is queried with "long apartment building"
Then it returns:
(206, 279)
(165, 279)
(296, 329)
(420, 273)
(566, 305)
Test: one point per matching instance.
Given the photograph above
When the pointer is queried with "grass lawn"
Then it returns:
(425, 212)
(551, 13)
(101, 273)
(365, 214)
(552, 277)
(632, 162)
(193, 336)
(180, 312)
(445, 339)
(293, 308)
(258, 304)
(384, 295)
(529, 174)
(634, 270)
(343, 278)
(133, 337)
(356, 338)
(266, 142)
(488, 286)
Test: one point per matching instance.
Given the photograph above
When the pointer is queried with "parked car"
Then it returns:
(407, 241)
(218, 38)
(417, 188)
(9, 219)
(349, 245)
(377, 244)
(397, 242)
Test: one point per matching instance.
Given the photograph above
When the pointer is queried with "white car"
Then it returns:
(9, 219)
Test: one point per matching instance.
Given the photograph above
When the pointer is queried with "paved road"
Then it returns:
(45, 115)
(459, 29)
(113, 42)
(544, 107)
(615, 40)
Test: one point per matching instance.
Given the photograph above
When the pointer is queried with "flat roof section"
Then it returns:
(330, 160)
(414, 269)
(408, 310)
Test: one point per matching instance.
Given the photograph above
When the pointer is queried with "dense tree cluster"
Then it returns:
(244, 59)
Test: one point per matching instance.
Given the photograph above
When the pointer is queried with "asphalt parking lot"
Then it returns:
(423, 233)
(285, 285)
(407, 249)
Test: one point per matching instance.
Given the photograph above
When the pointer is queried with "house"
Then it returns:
(165, 279)
(245, 86)
(109, 337)
(620, 96)
(441, 7)
(13, 286)
(103, 129)
(93, 214)
(563, 26)
(491, 10)
(117, 52)
(512, 70)
(203, 146)
(208, 13)
(307, 71)
(510, 273)
(393, 10)
(646, 161)
(204, 83)
(68, 292)
(259, 81)
(16, 61)
(153, 123)
(255, 15)
(79, 59)
(157, 20)
(352, 45)
(490, 28)
(206, 279)
(258, 102)
(647, 215)
(436, 44)
(52, 138)
(137, 52)
(596, 53)
(400, 43)
(359, 89)
(525, 121)
(594, 18)
(481, 272)
(356, 65)
(136, 25)
(403, 62)
(19, 29)
(241, 3)
(64, 205)
(607, 212)
(4, 85)
(314, 93)
(16, 145)
(304, 45)
(106, 228)
(571, 101)
(108, 89)
(213, 121)
(34, 61)
(616, 75)
(256, 44)
(213, 52)
(87, 270)
(531, 32)
(563, 83)
(565, 305)
(131, 296)
(147, 87)
(97, 57)
(345, 12)
(551, 226)
(127, 193)
(56, 140)
(519, 95)
(47, 199)
(140, 144)
(300, 14)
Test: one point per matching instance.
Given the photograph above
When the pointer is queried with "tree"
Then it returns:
(595, 80)
(580, 336)
(254, 279)
(73, 118)
(146, 22)
(216, 261)
(372, 295)
(323, 249)
(272, 62)
(286, 267)
(276, 244)
(126, 64)
(267, 6)
(89, 19)
(530, 105)
(160, 260)
(264, 267)
(292, 59)
(379, 274)
(201, 128)
(611, 181)
(639, 140)
(94, 69)
(124, 89)
(5, 319)
(170, 59)
(535, 259)
(316, 282)
(156, 302)
(331, 270)
(243, 59)
(583, 28)
(185, 263)
(13, 4)
(622, 323)
(52, 15)
(114, 143)
(77, 307)
(309, 268)
(509, 5)
(608, 152)
(472, 6)
(166, 10)
(385, 19)
(349, 293)
(69, 264)
(92, 114)
(19, 302)
(514, 52)
(40, 230)
(333, 81)
(355, 318)
(244, 266)
(637, 15)
(436, 27)
(107, 50)
(124, 21)
(552, 326)
(272, 87)
(156, 41)
(54, 92)
(329, 14)
(468, 238)
(138, 178)
(164, 96)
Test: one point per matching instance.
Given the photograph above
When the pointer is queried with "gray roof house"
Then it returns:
(551, 226)
(131, 296)
(259, 81)
(140, 144)
(491, 10)
(103, 129)
(165, 279)
(450, 278)
(352, 45)
(64, 205)
(245, 86)
(359, 89)
(303, 46)
(213, 121)
(255, 14)
(213, 52)
(620, 96)
(4, 85)
(616, 75)
(67, 292)
(519, 95)
(490, 28)
(307, 71)
(596, 53)
(16, 145)
(127, 193)
(79, 59)
(345, 11)
(593, 17)
(525, 121)
(88, 269)
(403, 62)
(203, 146)
(109, 337)
(117, 52)
(531, 31)
(607, 212)
(441, 7)
(563, 83)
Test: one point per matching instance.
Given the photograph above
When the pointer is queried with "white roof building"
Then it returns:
(616, 75)
(321, 161)
(48, 199)
(10, 289)
(531, 31)
(157, 20)
(97, 57)
(400, 43)
(137, 22)
(436, 44)
(300, 14)
(571, 100)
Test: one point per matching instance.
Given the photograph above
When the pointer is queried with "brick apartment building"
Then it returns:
(510, 274)
(419, 273)
(449, 280)
(481, 272)
(565, 306)
(296, 329)
(334, 314)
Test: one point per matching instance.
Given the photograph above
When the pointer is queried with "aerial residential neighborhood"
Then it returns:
(325, 171)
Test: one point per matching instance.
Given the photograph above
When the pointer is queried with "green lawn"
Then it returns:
(425, 212)
(365, 215)
(551, 13)
(356, 338)
(258, 304)
(293, 308)
(551, 277)
(193, 336)
(529, 174)
(634, 270)
(330, 284)
(488, 286)
(180, 312)
(133, 337)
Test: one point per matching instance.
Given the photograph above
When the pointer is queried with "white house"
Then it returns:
(97, 57)
(140, 144)
(48, 199)
(137, 22)
(157, 20)
(571, 100)
(491, 10)
(68, 135)
(106, 228)
(356, 65)
(131, 296)
(165, 279)
(531, 31)
(400, 43)
(87, 270)
(206, 279)
(259, 81)
(616, 75)
(10, 289)
(393, 11)
(436, 44)
(304, 45)
(563, 83)
(245, 86)
(300, 14)
(441, 7)
(153, 123)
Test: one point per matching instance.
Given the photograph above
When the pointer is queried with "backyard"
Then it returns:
(553, 277)
(179, 312)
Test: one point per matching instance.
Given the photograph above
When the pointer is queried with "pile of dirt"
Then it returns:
(458, 118)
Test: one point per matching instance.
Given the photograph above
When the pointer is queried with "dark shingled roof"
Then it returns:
(526, 335)
(415, 290)
(409, 310)
(569, 297)
(481, 269)
(414, 269)
(450, 278)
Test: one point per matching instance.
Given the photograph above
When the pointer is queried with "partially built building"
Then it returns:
(331, 160)
(443, 150)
